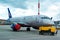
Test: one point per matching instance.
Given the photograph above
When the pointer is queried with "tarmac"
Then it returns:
(6, 33)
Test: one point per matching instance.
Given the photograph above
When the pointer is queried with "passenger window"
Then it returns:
(45, 18)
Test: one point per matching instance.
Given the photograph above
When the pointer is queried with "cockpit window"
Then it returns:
(45, 18)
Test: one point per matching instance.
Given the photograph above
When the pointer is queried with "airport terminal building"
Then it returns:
(4, 22)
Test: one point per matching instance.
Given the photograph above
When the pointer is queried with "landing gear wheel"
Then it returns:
(52, 34)
(14, 30)
(40, 33)
(56, 32)
(28, 29)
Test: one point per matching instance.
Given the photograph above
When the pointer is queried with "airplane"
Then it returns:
(34, 21)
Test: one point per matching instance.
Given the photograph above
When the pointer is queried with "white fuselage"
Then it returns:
(36, 20)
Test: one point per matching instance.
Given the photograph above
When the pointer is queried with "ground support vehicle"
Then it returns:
(48, 29)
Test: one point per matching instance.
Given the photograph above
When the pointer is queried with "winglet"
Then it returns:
(9, 13)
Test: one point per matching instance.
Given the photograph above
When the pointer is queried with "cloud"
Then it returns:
(15, 3)
(3, 11)
(57, 16)
(46, 3)
(17, 10)
(31, 9)
(33, 6)
(50, 8)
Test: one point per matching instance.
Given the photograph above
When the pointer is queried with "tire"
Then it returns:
(28, 29)
(14, 30)
(56, 32)
(52, 33)
(40, 32)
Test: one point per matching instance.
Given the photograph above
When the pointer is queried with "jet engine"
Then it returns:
(15, 27)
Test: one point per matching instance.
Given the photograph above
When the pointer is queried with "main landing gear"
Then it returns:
(28, 29)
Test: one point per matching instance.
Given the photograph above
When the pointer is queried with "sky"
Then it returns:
(19, 8)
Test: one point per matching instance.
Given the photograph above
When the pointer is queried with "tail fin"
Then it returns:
(9, 13)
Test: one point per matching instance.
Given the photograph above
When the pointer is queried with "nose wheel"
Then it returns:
(28, 29)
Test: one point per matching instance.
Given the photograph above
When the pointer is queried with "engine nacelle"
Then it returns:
(15, 27)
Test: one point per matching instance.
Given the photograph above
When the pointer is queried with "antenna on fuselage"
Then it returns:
(38, 7)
